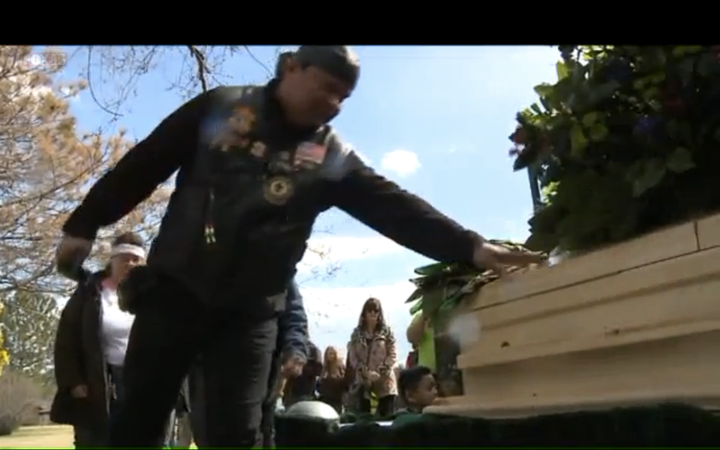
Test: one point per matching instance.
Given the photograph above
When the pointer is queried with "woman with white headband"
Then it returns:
(90, 347)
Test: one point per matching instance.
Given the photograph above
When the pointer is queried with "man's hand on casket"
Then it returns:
(497, 257)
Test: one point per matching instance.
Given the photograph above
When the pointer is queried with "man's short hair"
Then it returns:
(409, 379)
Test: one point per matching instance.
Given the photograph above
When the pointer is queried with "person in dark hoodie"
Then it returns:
(257, 165)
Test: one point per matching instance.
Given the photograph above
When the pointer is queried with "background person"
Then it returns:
(372, 352)
(90, 347)
(332, 385)
(417, 388)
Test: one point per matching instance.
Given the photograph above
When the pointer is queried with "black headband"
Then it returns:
(337, 60)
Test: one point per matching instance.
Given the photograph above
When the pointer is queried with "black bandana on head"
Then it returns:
(338, 60)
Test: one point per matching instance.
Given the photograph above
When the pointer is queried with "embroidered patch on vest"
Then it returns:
(309, 152)
(230, 130)
(258, 149)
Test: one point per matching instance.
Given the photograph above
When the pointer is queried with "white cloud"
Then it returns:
(402, 162)
(329, 251)
(333, 312)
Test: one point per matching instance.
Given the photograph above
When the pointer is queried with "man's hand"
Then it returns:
(79, 391)
(292, 367)
(373, 376)
(71, 254)
(497, 257)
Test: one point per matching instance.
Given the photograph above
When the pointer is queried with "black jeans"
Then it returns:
(265, 438)
(171, 329)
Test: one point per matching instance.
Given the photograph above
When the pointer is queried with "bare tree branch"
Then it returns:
(202, 68)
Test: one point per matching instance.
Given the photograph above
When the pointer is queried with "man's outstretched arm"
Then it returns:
(139, 172)
(401, 216)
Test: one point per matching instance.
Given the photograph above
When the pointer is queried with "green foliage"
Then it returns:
(626, 141)
(440, 286)
(30, 323)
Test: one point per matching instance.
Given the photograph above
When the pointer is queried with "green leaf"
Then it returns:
(707, 64)
(546, 104)
(640, 83)
(578, 140)
(590, 118)
(652, 173)
(598, 132)
(685, 133)
(687, 69)
(650, 93)
(543, 89)
(536, 108)
(562, 70)
(680, 160)
(431, 269)
(682, 50)
(417, 295)
(606, 90)
(657, 78)
(578, 74)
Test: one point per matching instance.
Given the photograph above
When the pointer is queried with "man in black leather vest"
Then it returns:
(257, 165)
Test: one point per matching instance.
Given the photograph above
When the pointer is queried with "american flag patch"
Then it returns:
(310, 152)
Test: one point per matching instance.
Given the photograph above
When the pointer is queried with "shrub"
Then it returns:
(626, 141)
(4, 357)
(19, 398)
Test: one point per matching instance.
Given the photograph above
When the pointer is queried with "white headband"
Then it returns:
(127, 249)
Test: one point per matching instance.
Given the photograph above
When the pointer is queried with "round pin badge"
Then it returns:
(278, 190)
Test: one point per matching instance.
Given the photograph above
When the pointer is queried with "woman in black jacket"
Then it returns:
(90, 347)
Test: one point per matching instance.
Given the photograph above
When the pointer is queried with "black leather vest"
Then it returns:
(239, 219)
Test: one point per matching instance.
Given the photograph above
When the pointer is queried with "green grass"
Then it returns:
(47, 436)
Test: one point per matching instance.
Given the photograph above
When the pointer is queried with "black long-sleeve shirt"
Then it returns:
(361, 192)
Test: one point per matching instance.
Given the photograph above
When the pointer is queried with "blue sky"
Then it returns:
(433, 119)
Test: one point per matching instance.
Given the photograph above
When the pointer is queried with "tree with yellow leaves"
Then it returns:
(46, 166)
